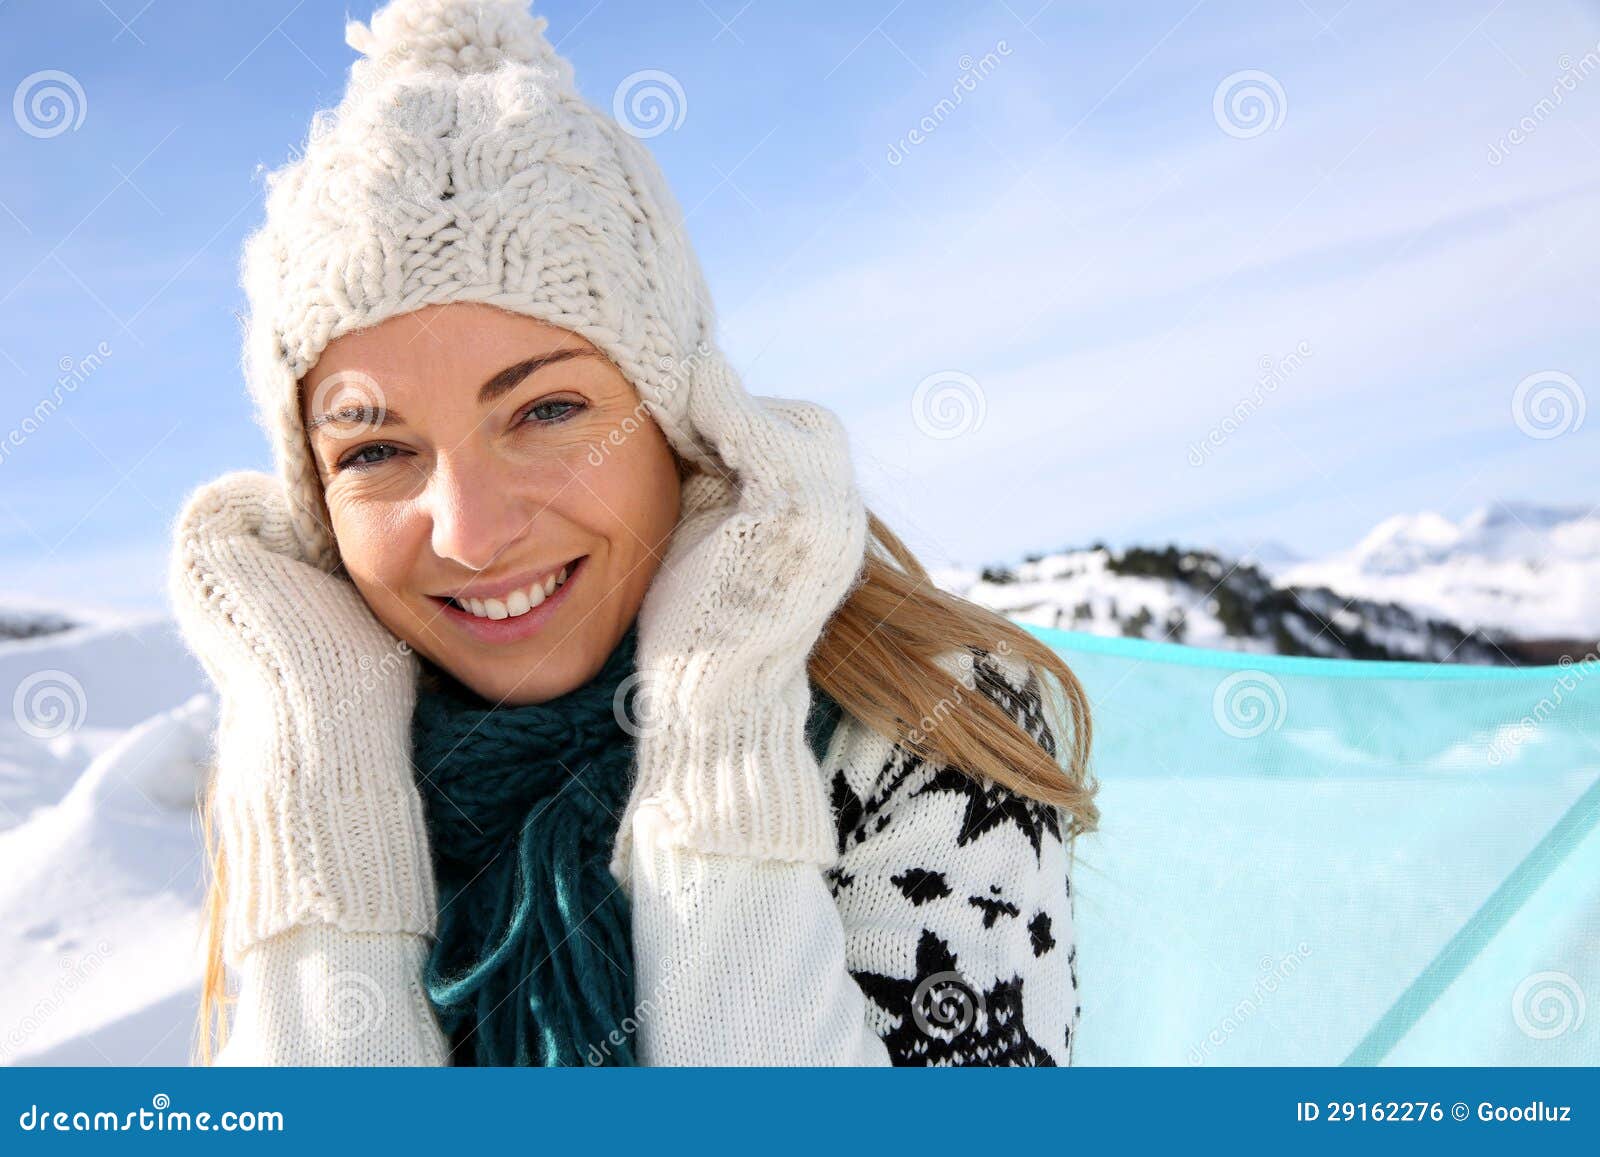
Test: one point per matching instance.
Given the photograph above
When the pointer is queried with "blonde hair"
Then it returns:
(878, 659)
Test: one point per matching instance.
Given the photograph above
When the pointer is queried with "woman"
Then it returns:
(575, 710)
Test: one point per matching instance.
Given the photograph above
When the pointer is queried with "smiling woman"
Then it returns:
(455, 448)
(567, 687)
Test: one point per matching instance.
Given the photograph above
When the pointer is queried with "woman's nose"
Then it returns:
(477, 513)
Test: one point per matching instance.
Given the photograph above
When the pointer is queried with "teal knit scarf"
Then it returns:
(533, 959)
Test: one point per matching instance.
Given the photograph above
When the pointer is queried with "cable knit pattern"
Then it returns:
(463, 165)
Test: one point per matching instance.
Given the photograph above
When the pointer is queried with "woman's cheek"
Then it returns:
(635, 478)
(368, 530)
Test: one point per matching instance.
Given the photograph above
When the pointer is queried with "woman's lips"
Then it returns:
(511, 630)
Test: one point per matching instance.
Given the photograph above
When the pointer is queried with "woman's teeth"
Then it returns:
(517, 602)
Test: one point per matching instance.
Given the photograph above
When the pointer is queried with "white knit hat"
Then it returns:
(462, 165)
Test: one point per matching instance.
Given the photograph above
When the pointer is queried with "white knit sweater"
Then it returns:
(942, 934)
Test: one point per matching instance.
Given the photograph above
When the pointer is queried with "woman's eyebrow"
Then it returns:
(508, 378)
(496, 387)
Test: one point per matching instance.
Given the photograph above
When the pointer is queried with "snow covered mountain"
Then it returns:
(1522, 570)
(1513, 583)
(25, 622)
(1205, 600)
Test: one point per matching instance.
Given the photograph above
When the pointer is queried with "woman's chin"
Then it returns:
(504, 680)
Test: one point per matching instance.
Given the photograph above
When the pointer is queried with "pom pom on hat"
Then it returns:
(464, 36)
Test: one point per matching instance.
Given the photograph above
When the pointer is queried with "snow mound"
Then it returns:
(100, 851)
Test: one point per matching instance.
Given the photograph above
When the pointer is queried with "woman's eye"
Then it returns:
(550, 412)
(365, 458)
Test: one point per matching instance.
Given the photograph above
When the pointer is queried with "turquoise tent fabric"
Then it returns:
(1324, 862)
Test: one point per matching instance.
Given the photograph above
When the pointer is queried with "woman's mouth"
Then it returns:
(515, 614)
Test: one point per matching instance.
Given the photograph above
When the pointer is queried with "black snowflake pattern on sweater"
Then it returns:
(940, 1019)
(958, 903)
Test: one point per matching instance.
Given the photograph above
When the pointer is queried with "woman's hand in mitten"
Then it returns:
(319, 813)
(766, 547)
(762, 557)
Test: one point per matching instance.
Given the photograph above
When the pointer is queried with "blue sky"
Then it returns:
(1094, 251)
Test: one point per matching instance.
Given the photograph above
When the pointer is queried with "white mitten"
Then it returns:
(761, 558)
(318, 814)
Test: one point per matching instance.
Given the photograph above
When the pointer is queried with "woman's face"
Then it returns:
(468, 455)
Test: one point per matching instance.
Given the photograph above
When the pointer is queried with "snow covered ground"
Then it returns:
(100, 758)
